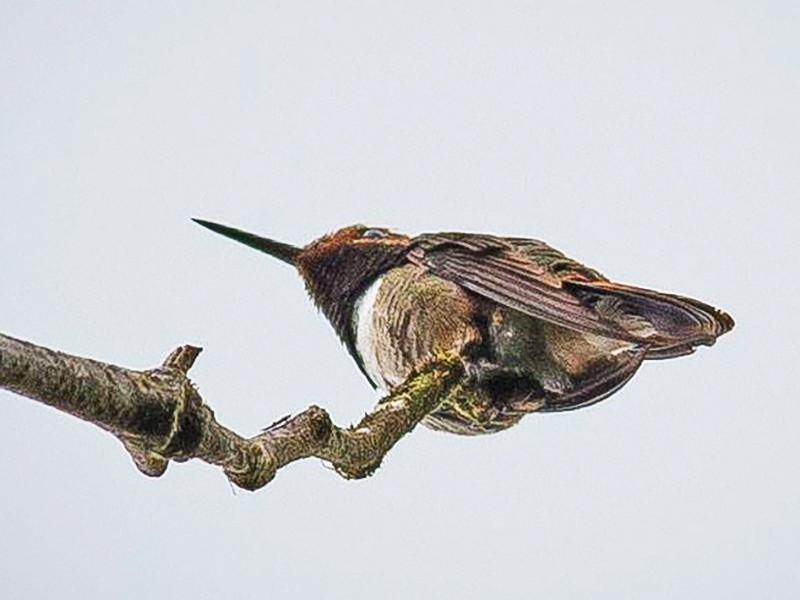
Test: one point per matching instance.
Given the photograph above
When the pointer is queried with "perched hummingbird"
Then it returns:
(537, 331)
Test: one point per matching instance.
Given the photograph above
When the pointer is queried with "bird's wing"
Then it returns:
(531, 277)
(508, 272)
(675, 324)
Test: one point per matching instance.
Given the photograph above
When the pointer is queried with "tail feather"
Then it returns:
(600, 385)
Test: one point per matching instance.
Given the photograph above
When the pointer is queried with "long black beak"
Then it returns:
(279, 250)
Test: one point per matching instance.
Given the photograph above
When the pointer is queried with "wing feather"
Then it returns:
(494, 269)
(531, 277)
(680, 323)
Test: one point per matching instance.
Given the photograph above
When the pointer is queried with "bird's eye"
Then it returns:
(373, 234)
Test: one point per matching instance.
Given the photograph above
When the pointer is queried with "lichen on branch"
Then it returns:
(159, 415)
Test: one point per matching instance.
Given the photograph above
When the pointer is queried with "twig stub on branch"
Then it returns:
(160, 416)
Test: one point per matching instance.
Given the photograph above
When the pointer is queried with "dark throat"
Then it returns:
(336, 279)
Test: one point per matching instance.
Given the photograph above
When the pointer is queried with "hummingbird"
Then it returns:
(535, 330)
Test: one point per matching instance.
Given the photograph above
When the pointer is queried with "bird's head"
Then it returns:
(337, 267)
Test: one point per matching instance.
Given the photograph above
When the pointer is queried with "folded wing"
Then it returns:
(531, 277)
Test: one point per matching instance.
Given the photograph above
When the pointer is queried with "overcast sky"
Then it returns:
(661, 146)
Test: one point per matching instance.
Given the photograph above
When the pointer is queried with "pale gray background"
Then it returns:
(660, 145)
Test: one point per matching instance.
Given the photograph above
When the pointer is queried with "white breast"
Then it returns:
(364, 327)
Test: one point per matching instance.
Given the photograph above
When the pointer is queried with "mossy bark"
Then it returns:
(159, 415)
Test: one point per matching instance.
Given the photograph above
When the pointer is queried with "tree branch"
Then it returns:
(159, 415)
